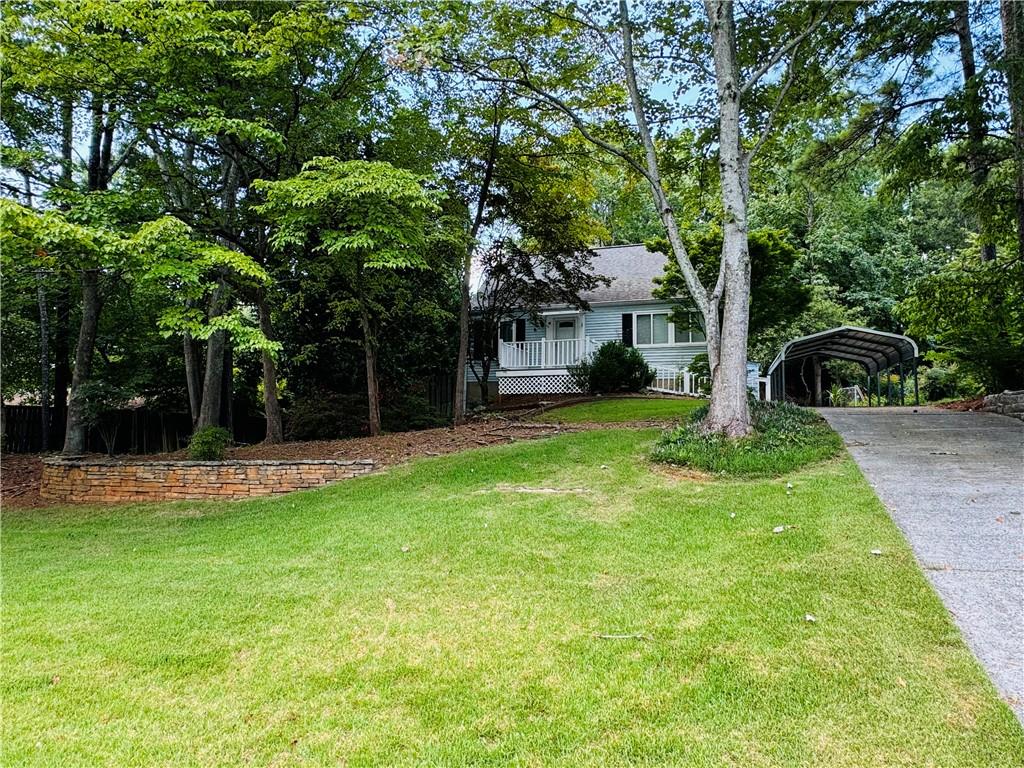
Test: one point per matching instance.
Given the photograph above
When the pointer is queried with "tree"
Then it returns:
(771, 55)
(368, 219)
(972, 312)
(776, 294)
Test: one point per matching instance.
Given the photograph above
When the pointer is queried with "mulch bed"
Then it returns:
(973, 404)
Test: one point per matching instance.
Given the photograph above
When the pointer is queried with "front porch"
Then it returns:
(543, 353)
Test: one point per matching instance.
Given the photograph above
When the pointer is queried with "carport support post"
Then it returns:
(917, 398)
(903, 399)
(816, 365)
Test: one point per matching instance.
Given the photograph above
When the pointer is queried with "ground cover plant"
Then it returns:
(623, 409)
(785, 438)
(558, 602)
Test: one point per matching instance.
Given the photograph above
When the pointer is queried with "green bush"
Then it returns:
(614, 367)
(944, 382)
(209, 444)
(785, 438)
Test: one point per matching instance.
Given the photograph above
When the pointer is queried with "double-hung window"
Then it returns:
(652, 328)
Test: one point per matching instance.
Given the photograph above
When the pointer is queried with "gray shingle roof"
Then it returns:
(632, 269)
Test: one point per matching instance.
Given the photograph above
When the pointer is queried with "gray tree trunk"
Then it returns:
(192, 379)
(271, 405)
(44, 363)
(1012, 18)
(729, 412)
(977, 128)
(75, 436)
(372, 391)
(213, 381)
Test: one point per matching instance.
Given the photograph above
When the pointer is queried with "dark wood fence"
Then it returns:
(138, 430)
(440, 391)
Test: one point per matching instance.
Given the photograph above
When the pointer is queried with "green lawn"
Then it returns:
(620, 409)
(447, 613)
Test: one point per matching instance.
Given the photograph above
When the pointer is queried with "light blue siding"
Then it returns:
(604, 323)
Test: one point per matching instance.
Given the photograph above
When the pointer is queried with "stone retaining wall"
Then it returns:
(98, 480)
(1007, 403)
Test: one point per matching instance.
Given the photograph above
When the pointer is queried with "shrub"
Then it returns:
(943, 382)
(785, 438)
(614, 367)
(209, 444)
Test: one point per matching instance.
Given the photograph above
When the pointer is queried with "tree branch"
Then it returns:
(776, 57)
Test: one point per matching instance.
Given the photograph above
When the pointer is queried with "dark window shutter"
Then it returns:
(492, 345)
(521, 330)
(627, 330)
(477, 334)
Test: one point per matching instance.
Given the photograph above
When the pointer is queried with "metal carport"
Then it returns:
(876, 351)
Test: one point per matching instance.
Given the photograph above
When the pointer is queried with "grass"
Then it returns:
(623, 409)
(446, 614)
(785, 438)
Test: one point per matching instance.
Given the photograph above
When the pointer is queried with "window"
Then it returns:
(694, 334)
(512, 330)
(651, 328)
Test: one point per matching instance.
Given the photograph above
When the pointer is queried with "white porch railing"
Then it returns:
(544, 353)
(679, 382)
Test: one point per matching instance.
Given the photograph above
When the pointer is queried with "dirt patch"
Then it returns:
(20, 473)
(974, 404)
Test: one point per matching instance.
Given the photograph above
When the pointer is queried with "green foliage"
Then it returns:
(614, 367)
(776, 293)
(209, 444)
(837, 397)
(786, 437)
(371, 212)
(972, 312)
(944, 382)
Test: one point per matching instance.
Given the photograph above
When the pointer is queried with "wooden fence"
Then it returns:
(138, 430)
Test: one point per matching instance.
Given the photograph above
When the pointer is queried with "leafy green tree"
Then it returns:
(972, 312)
(368, 219)
(776, 293)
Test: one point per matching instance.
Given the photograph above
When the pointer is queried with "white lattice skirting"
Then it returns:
(555, 384)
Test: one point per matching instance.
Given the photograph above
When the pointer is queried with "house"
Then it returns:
(529, 359)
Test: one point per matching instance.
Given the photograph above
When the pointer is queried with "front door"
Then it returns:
(562, 350)
(565, 328)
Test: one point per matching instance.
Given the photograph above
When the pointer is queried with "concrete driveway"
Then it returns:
(954, 484)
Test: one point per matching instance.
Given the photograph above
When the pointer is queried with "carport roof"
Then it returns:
(876, 350)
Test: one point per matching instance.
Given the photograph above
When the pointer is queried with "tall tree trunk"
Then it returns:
(372, 391)
(729, 412)
(62, 331)
(61, 366)
(271, 405)
(977, 128)
(213, 381)
(192, 378)
(459, 402)
(459, 405)
(74, 438)
(1012, 17)
(227, 395)
(44, 363)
